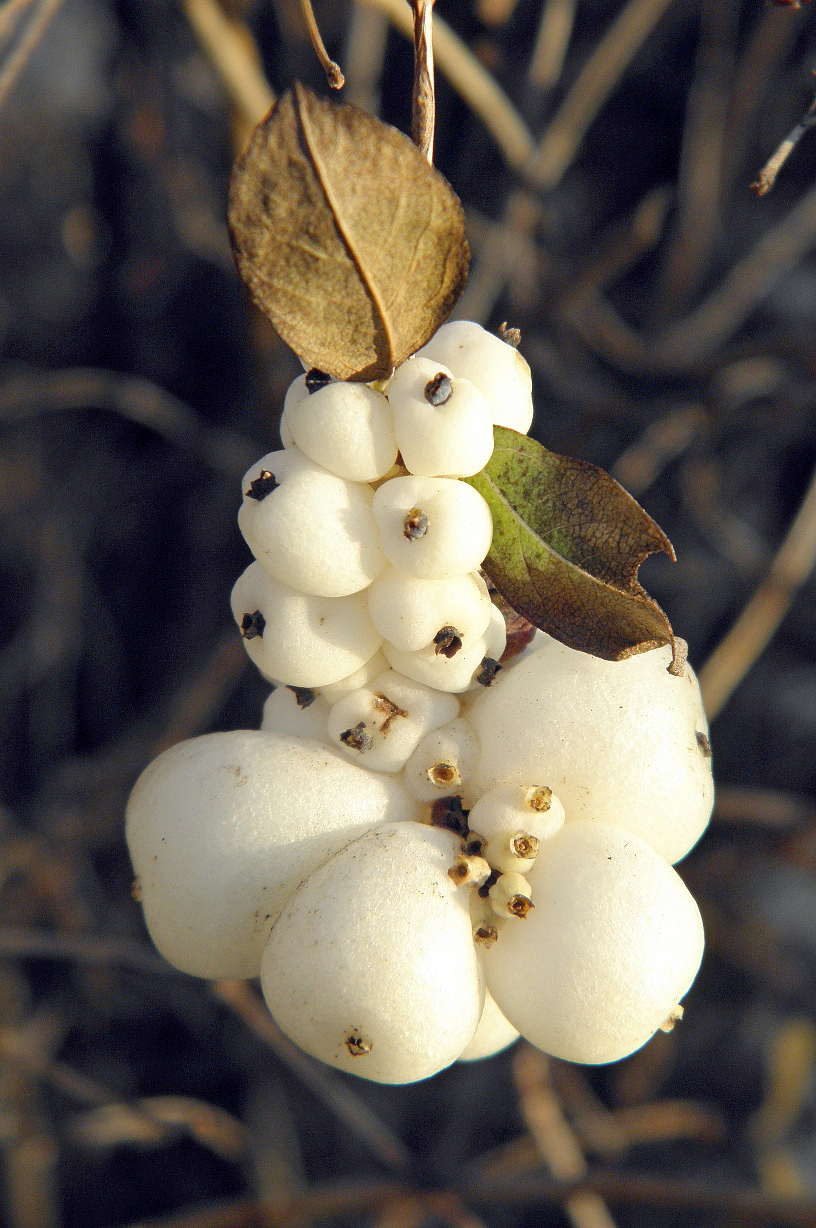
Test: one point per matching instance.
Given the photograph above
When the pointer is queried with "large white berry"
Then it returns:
(432, 527)
(411, 612)
(347, 428)
(495, 367)
(443, 424)
(493, 1034)
(612, 944)
(380, 725)
(223, 828)
(371, 965)
(297, 639)
(618, 741)
(309, 528)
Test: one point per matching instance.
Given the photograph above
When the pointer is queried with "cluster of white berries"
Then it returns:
(421, 853)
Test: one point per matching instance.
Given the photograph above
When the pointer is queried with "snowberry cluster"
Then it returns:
(422, 853)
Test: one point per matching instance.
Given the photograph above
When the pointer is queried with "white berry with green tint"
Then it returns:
(496, 368)
(223, 828)
(442, 424)
(618, 741)
(611, 946)
(433, 528)
(411, 612)
(371, 965)
(346, 428)
(298, 639)
(309, 528)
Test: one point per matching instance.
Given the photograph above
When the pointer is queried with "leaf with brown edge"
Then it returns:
(349, 240)
(567, 545)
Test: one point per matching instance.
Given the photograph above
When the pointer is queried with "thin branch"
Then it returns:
(737, 294)
(767, 176)
(139, 400)
(596, 81)
(552, 41)
(472, 82)
(364, 56)
(18, 59)
(423, 102)
(11, 13)
(231, 49)
(343, 1102)
(556, 1142)
(334, 76)
(750, 634)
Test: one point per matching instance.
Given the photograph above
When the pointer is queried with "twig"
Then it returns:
(757, 70)
(660, 443)
(699, 188)
(334, 76)
(343, 1102)
(78, 388)
(745, 641)
(474, 83)
(423, 102)
(596, 81)
(364, 56)
(552, 41)
(232, 52)
(10, 13)
(767, 176)
(770, 808)
(20, 943)
(507, 247)
(554, 1139)
(737, 294)
(18, 59)
(350, 1201)
(739, 1206)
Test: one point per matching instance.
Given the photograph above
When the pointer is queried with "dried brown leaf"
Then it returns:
(348, 239)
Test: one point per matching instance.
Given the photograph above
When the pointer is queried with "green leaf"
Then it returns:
(567, 545)
(348, 239)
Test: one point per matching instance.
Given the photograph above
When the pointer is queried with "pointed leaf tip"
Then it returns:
(568, 541)
(349, 241)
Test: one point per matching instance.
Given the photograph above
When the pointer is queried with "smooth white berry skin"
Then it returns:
(223, 828)
(459, 530)
(307, 641)
(376, 946)
(409, 612)
(613, 943)
(451, 674)
(316, 531)
(286, 437)
(450, 439)
(455, 746)
(282, 714)
(617, 741)
(347, 428)
(496, 368)
(505, 810)
(334, 691)
(493, 1034)
(392, 714)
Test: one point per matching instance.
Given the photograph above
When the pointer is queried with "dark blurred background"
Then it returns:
(603, 154)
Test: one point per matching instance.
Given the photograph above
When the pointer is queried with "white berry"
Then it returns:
(380, 725)
(442, 424)
(409, 612)
(496, 368)
(347, 428)
(432, 527)
(371, 965)
(223, 828)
